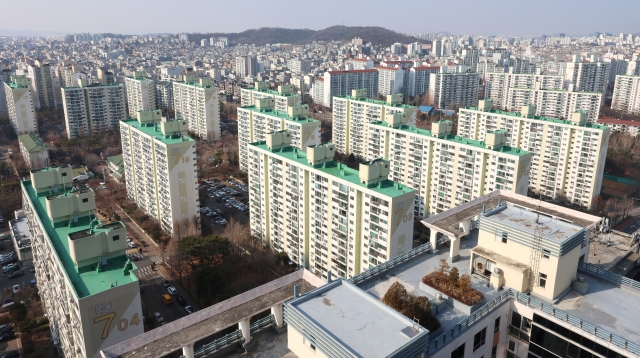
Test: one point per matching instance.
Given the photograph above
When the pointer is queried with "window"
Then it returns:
(546, 253)
(116, 237)
(542, 281)
(458, 352)
(479, 339)
(494, 351)
(85, 200)
(505, 235)
(496, 325)
(64, 174)
(512, 346)
(308, 343)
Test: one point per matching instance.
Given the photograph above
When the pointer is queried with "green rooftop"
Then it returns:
(375, 101)
(270, 91)
(280, 114)
(116, 160)
(150, 128)
(32, 143)
(195, 84)
(338, 170)
(88, 282)
(540, 118)
(454, 138)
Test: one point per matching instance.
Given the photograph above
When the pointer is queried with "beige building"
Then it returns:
(352, 113)
(444, 169)
(196, 102)
(20, 107)
(141, 93)
(34, 151)
(88, 287)
(160, 170)
(283, 98)
(555, 104)
(498, 84)
(255, 121)
(324, 215)
(626, 94)
(43, 84)
(569, 155)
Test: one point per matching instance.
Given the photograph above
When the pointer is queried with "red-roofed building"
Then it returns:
(621, 125)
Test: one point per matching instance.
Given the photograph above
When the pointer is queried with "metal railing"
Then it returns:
(608, 275)
(233, 337)
(389, 264)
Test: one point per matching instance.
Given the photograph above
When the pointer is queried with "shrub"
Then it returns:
(411, 306)
(448, 281)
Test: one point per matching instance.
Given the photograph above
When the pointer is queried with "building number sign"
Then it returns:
(106, 314)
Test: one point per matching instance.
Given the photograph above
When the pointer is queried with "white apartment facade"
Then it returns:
(89, 109)
(341, 83)
(324, 215)
(555, 104)
(453, 89)
(498, 84)
(196, 102)
(160, 170)
(352, 113)
(446, 170)
(626, 94)
(87, 285)
(43, 84)
(390, 80)
(283, 98)
(587, 76)
(141, 93)
(419, 79)
(20, 107)
(254, 122)
(299, 66)
(569, 155)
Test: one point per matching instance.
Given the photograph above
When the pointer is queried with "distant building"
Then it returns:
(453, 89)
(419, 79)
(554, 103)
(42, 83)
(196, 101)
(141, 93)
(390, 80)
(283, 98)
(299, 66)
(34, 151)
(246, 66)
(341, 83)
(498, 84)
(587, 76)
(621, 125)
(164, 95)
(626, 94)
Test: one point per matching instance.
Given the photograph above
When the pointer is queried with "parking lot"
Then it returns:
(222, 201)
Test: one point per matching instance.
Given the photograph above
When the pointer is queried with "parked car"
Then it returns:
(15, 288)
(158, 317)
(12, 354)
(9, 268)
(132, 258)
(32, 283)
(6, 300)
(16, 273)
(165, 282)
(7, 336)
(181, 300)
(172, 290)
(189, 309)
(131, 244)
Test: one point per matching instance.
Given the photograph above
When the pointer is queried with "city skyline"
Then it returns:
(477, 18)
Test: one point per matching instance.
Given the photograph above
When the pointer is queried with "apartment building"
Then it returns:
(390, 80)
(164, 95)
(20, 107)
(621, 125)
(93, 108)
(453, 89)
(246, 66)
(582, 76)
(283, 98)
(498, 84)
(317, 91)
(43, 84)
(626, 94)
(141, 93)
(34, 151)
(555, 104)
(341, 83)
(87, 285)
(444, 169)
(352, 113)
(568, 155)
(324, 215)
(419, 79)
(299, 66)
(254, 122)
(160, 171)
(196, 101)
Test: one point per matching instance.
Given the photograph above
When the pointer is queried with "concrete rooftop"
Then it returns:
(524, 220)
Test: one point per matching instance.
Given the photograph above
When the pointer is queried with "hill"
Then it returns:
(273, 35)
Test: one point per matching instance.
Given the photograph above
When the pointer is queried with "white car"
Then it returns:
(131, 244)
(172, 290)
(158, 317)
(15, 288)
(9, 268)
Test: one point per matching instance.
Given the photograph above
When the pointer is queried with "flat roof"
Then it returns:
(358, 321)
(375, 101)
(151, 131)
(280, 114)
(454, 138)
(539, 118)
(338, 170)
(32, 142)
(270, 91)
(526, 220)
(89, 282)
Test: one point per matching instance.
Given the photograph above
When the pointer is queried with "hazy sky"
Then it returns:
(482, 17)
